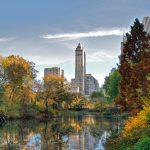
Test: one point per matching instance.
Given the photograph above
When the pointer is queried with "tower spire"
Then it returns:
(79, 46)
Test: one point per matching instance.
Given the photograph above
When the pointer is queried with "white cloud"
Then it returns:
(7, 39)
(95, 33)
(100, 56)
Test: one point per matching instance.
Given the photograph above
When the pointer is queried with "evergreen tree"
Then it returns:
(134, 67)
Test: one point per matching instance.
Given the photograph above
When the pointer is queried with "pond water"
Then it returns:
(79, 132)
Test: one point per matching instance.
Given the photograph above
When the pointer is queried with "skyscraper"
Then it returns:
(55, 71)
(82, 83)
(91, 84)
(78, 83)
(146, 23)
(80, 62)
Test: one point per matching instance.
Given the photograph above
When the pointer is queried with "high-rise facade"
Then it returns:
(82, 83)
(146, 23)
(55, 71)
(80, 62)
(78, 83)
(91, 84)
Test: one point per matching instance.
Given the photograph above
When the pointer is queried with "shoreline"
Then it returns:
(47, 117)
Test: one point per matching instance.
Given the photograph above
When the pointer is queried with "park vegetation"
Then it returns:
(23, 96)
(134, 90)
(111, 85)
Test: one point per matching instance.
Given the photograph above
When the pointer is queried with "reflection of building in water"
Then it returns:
(86, 132)
(89, 119)
(90, 141)
(82, 141)
(34, 142)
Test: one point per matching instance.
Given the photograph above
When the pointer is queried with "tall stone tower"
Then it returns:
(80, 62)
(78, 84)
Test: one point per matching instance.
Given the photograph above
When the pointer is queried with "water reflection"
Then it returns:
(86, 132)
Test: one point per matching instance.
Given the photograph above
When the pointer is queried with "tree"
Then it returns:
(38, 86)
(79, 102)
(97, 94)
(62, 97)
(19, 74)
(2, 77)
(52, 84)
(16, 81)
(113, 89)
(111, 84)
(134, 67)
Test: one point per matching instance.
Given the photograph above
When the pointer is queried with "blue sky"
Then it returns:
(48, 31)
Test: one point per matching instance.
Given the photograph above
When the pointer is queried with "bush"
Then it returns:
(137, 122)
(135, 134)
(143, 144)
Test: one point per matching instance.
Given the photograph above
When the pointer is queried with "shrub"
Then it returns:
(135, 134)
(143, 144)
(140, 121)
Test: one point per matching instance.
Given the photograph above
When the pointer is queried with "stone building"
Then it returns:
(55, 71)
(78, 83)
(91, 84)
(82, 83)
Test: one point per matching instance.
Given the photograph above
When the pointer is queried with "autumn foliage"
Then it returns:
(52, 83)
(134, 68)
(19, 74)
(134, 96)
(142, 120)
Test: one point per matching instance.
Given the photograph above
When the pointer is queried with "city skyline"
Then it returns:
(48, 32)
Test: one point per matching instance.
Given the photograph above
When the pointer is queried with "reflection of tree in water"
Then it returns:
(55, 134)
(99, 127)
(7, 137)
(15, 133)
